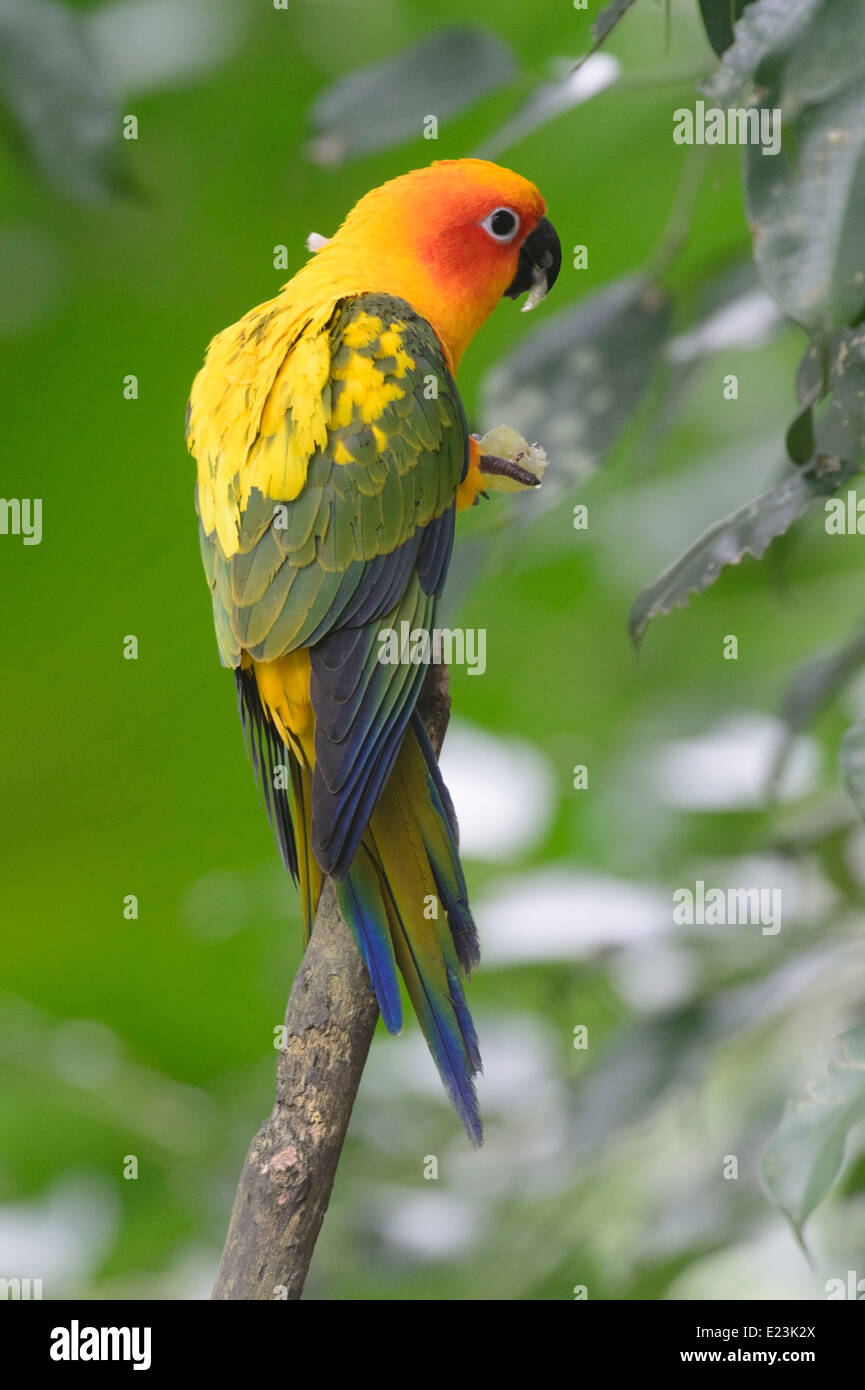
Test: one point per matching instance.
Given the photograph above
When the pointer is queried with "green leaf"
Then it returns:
(748, 531)
(812, 373)
(812, 385)
(830, 388)
(840, 422)
(380, 106)
(806, 210)
(811, 688)
(569, 87)
(810, 691)
(767, 30)
(576, 382)
(818, 681)
(800, 439)
(57, 99)
(806, 204)
(827, 59)
(719, 16)
(804, 1157)
(609, 18)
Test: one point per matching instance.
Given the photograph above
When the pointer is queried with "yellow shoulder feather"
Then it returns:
(258, 410)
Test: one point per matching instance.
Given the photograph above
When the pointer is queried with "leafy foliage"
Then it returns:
(154, 1036)
(804, 1157)
(57, 99)
(556, 386)
(852, 760)
(719, 17)
(749, 531)
(386, 103)
(609, 18)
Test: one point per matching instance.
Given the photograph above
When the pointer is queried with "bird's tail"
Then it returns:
(404, 896)
(405, 900)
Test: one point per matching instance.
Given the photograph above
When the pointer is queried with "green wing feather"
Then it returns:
(364, 546)
(299, 560)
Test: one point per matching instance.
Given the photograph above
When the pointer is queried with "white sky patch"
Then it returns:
(522, 1099)
(597, 73)
(654, 975)
(762, 1268)
(806, 895)
(503, 791)
(727, 768)
(189, 1277)
(562, 914)
(749, 321)
(433, 1224)
(518, 1056)
(61, 1237)
(519, 1059)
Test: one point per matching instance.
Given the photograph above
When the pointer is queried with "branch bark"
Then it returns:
(287, 1178)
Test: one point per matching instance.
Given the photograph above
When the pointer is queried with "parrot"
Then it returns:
(333, 452)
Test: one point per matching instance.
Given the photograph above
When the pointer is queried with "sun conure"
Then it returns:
(333, 453)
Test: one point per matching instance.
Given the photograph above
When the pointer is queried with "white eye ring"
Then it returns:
(500, 215)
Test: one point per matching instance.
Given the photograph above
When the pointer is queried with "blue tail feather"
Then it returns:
(451, 1039)
(384, 906)
(362, 906)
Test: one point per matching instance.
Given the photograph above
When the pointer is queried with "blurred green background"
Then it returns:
(153, 1037)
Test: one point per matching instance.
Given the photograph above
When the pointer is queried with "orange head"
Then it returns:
(451, 239)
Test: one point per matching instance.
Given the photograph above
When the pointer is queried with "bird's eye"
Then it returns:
(501, 224)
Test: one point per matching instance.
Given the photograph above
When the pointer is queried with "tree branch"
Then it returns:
(288, 1174)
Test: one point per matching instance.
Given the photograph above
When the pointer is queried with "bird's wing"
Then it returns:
(358, 544)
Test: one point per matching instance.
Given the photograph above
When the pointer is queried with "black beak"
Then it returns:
(539, 264)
